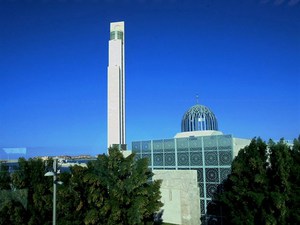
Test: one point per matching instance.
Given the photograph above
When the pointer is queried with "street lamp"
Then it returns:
(55, 182)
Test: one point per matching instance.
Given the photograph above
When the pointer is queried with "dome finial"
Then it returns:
(197, 98)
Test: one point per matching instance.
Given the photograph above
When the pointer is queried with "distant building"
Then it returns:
(116, 86)
(12, 153)
(199, 147)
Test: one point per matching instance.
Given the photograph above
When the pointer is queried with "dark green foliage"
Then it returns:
(4, 177)
(13, 213)
(30, 176)
(72, 203)
(27, 197)
(120, 191)
(294, 179)
(263, 187)
(111, 190)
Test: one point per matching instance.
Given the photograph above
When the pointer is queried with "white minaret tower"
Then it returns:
(116, 86)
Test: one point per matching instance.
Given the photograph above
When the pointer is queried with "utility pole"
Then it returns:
(54, 190)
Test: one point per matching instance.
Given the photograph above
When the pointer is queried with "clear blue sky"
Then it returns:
(241, 57)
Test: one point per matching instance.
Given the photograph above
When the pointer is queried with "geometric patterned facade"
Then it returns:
(211, 156)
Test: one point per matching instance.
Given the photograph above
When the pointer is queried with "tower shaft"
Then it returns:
(116, 86)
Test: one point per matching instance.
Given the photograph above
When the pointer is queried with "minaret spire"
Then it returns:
(116, 86)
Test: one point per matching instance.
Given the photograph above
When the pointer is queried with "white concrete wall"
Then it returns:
(126, 153)
(180, 196)
(113, 107)
(238, 144)
(198, 133)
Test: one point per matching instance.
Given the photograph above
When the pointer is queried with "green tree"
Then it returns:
(27, 196)
(111, 190)
(294, 179)
(279, 187)
(72, 202)
(121, 191)
(246, 188)
(13, 212)
(30, 176)
(260, 188)
(4, 177)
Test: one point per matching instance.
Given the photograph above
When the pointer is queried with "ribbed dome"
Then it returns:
(199, 117)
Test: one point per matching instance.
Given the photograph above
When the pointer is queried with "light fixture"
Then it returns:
(55, 182)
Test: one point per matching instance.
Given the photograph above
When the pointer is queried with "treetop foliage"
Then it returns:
(263, 187)
(110, 190)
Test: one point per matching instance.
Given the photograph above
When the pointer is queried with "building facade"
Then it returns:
(116, 86)
(210, 156)
(207, 151)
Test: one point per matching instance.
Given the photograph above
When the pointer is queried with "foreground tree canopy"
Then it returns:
(111, 190)
(264, 186)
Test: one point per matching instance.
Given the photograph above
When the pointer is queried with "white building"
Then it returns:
(116, 86)
(192, 165)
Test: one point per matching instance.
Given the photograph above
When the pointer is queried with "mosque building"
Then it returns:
(192, 165)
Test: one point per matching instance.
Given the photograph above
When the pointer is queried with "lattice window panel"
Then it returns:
(225, 148)
(211, 190)
(224, 172)
(201, 189)
(225, 158)
(169, 159)
(182, 144)
(211, 158)
(200, 175)
(182, 149)
(146, 146)
(225, 142)
(169, 145)
(212, 175)
(210, 143)
(183, 159)
(158, 145)
(136, 146)
(196, 149)
(196, 159)
(158, 159)
(184, 168)
(195, 142)
(202, 206)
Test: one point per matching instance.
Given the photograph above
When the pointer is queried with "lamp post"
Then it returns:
(55, 182)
